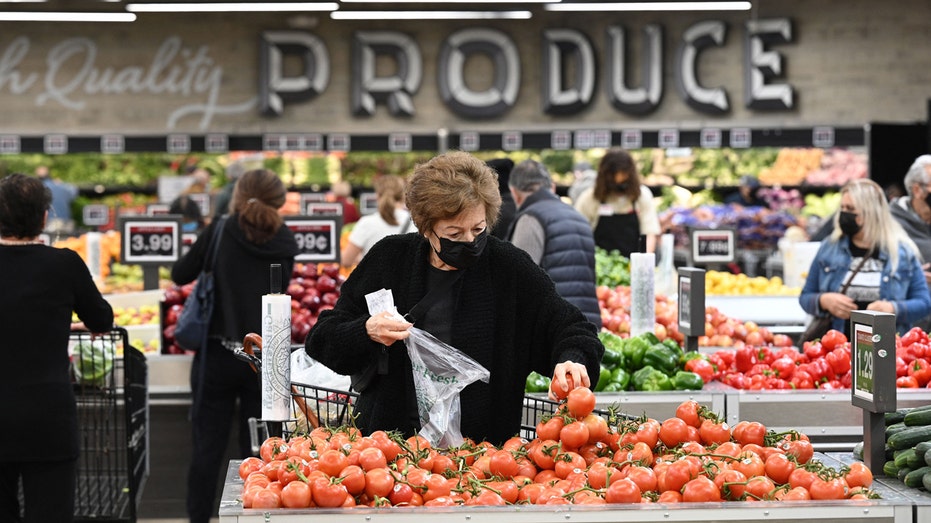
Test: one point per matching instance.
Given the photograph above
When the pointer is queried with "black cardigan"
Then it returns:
(508, 317)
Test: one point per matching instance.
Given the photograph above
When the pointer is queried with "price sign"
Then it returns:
(155, 209)
(631, 139)
(151, 240)
(601, 138)
(368, 203)
(308, 198)
(873, 360)
(55, 144)
(710, 138)
(692, 301)
(112, 144)
(468, 141)
(512, 141)
(712, 245)
(741, 138)
(584, 139)
(313, 142)
(9, 144)
(668, 138)
(317, 238)
(216, 143)
(178, 144)
(324, 209)
(338, 142)
(96, 214)
(561, 140)
(822, 137)
(400, 142)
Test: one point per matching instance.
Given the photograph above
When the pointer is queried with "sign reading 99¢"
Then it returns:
(149, 241)
(317, 238)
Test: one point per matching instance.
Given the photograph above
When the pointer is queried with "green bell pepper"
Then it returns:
(604, 377)
(537, 383)
(634, 350)
(662, 358)
(650, 338)
(674, 346)
(612, 358)
(685, 380)
(621, 377)
(614, 387)
(650, 379)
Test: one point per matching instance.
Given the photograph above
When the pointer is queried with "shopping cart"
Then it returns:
(113, 424)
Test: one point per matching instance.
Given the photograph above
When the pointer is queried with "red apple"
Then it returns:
(295, 290)
(330, 298)
(310, 302)
(331, 270)
(171, 317)
(173, 296)
(309, 270)
(326, 284)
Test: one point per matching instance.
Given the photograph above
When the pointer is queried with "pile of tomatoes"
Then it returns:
(578, 457)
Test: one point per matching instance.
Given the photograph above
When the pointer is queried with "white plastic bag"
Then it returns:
(308, 371)
(440, 374)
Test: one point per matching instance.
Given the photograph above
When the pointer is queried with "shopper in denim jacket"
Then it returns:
(890, 281)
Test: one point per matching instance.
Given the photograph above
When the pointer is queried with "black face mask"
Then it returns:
(621, 187)
(461, 255)
(848, 223)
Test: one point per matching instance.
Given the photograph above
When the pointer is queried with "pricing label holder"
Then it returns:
(368, 203)
(157, 209)
(712, 245)
(324, 209)
(308, 198)
(872, 360)
(150, 241)
(317, 237)
(691, 294)
(95, 214)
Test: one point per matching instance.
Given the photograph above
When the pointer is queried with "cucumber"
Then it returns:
(914, 460)
(858, 451)
(918, 417)
(928, 457)
(896, 416)
(903, 471)
(909, 437)
(902, 458)
(915, 478)
(922, 447)
(895, 428)
(926, 481)
(890, 470)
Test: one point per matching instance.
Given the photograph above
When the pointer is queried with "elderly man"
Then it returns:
(913, 212)
(557, 237)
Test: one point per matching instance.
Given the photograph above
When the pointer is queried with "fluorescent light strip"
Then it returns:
(449, 1)
(430, 15)
(652, 6)
(25, 16)
(225, 7)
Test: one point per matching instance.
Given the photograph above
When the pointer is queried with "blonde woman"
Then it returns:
(392, 218)
(870, 249)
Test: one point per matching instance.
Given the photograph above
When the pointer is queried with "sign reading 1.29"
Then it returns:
(151, 241)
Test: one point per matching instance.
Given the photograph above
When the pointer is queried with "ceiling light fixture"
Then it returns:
(449, 1)
(430, 15)
(225, 7)
(37, 16)
(651, 6)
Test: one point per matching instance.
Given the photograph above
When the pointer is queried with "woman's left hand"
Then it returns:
(881, 306)
(569, 370)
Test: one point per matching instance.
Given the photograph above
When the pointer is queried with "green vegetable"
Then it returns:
(902, 458)
(604, 377)
(685, 380)
(537, 383)
(93, 361)
(909, 437)
(614, 387)
(661, 358)
(913, 478)
(613, 358)
(918, 417)
(926, 481)
(621, 377)
(896, 416)
(634, 350)
(674, 346)
(858, 451)
(650, 337)
(650, 379)
(611, 269)
(890, 469)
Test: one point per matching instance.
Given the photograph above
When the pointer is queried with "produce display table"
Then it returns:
(896, 508)
(781, 314)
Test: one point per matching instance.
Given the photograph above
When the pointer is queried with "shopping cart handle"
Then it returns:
(247, 354)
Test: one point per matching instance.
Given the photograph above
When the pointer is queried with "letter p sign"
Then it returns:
(274, 87)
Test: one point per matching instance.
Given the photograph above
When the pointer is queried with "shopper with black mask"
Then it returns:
(500, 308)
(871, 250)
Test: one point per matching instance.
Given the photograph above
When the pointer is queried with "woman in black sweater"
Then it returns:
(41, 287)
(503, 310)
(253, 238)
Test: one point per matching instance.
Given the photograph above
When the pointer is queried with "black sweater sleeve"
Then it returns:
(90, 306)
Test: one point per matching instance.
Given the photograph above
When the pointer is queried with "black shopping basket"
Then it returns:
(113, 424)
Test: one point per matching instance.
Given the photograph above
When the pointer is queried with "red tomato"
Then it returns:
(623, 491)
(597, 427)
(688, 411)
(296, 494)
(778, 467)
(372, 458)
(328, 494)
(378, 482)
(574, 435)
(580, 401)
(760, 487)
(833, 488)
(712, 432)
(557, 391)
(549, 428)
(250, 465)
(266, 498)
(673, 432)
(859, 475)
(503, 464)
(353, 477)
(732, 484)
(272, 447)
(700, 489)
(332, 462)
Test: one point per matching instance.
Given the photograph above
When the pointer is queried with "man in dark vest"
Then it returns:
(913, 212)
(555, 235)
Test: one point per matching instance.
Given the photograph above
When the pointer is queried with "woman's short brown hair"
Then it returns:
(448, 184)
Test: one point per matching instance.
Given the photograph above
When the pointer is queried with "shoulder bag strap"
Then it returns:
(210, 260)
(418, 310)
(859, 266)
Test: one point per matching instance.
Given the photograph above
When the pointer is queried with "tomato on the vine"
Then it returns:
(580, 402)
(700, 489)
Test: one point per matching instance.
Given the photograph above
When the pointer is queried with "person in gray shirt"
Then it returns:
(913, 212)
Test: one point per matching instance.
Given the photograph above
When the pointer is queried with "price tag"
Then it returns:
(313, 142)
(308, 198)
(324, 209)
(631, 139)
(822, 137)
(317, 238)
(55, 144)
(179, 144)
(710, 138)
(368, 203)
(561, 140)
(872, 358)
(216, 143)
(293, 142)
(741, 138)
(151, 240)
(512, 141)
(273, 142)
(95, 215)
(338, 142)
(9, 144)
(584, 139)
(668, 138)
(156, 209)
(468, 141)
(112, 144)
(712, 245)
(400, 142)
(601, 138)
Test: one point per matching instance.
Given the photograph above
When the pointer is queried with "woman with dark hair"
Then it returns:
(493, 303)
(620, 208)
(252, 238)
(42, 287)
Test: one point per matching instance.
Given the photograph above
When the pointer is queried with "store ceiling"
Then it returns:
(130, 10)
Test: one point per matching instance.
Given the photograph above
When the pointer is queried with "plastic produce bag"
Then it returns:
(440, 374)
(93, 361)
(308, 371)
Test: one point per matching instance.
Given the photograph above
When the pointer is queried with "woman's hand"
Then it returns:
(384, 328)
(837, 304)
(569, 370)
(881, 306)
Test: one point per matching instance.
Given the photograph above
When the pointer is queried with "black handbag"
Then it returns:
(194, 321)
(820, 325)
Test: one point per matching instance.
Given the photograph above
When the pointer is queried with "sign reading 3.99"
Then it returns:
(317, 237)
(150, 240)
